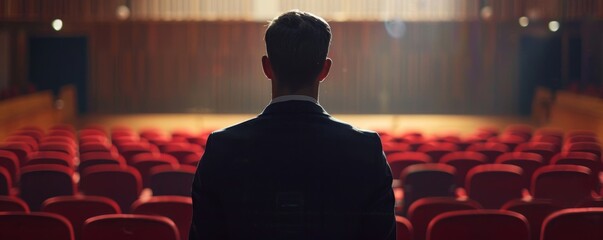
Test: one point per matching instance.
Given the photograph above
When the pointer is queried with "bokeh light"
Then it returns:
(524, 21)
(554, 26)
(57, 24)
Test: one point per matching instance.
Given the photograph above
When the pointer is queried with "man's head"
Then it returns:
(297, 44)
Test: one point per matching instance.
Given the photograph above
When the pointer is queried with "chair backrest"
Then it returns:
(427, 180)
(576, 139)
(546, 150)
(492, 185)
(580, 132)
(566, 185)
(394, 147)
(129, 227)
(586, 159)
(404, 230)
(96, 147)
(399, 161)
(177, 208)
(463, 162)
(42, 181)
(6, 183)
(25, 139)
(479, 225)
(10, 162)
(77, 209)
(591, 147)
(422, 211)
(490, 149)
(438, 149)
(528, 162)
(58, 147)
(35, 225)
(12, 204)
(96, 158)
(50, 157)
(20, 149)
(128, 150)
(167, 180)
(574, 223)
(113, 181)
(535, 211)
(34, 132)
(143, 162)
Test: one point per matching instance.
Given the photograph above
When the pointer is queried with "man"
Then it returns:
(293, 172)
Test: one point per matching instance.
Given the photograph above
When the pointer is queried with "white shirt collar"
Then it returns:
(293, 97)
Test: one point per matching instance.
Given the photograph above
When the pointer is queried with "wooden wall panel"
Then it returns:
(436, 67)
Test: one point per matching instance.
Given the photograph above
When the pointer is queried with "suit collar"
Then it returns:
(293, 106)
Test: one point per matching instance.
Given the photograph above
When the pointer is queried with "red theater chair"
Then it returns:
(492, 185)
(6, 183)
(577, 139)
(50, 157)
(167, 180)
(427, 180)
(77, 209)
(522, 130)
(437, 149)
(566, 185)
(58, 147)
(546, 150)
(42, 181)
(13, 204)
(491, 149)
(535, 211)
(59, 139)
(35, 225)
(462, 163)
(128, 150)
(399, 161)
(92, 132)
(574, 223)
(394, 147)
(20, 149)
(98, 158)
(143, 162)
(177, 208)
(585, 159)
(10, 162)
(591, 147)
(129, 227)
(113, 181)
(404, 230)
(528, 162)
(479, 225)
(181, 150)
(511, 141)
(97, 147)
(24, 139)
(574, 133)
(37, 134)
(422, 211)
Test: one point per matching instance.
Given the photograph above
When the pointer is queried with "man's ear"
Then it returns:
(324, 72)
(267, 66)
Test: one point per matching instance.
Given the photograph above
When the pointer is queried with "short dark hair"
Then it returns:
(297, 44)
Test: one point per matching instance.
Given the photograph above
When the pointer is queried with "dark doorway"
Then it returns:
(58, 61)
(539, 65)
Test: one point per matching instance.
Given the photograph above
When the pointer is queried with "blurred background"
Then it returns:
(536, 61)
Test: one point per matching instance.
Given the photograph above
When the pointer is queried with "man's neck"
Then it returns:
(310, 92)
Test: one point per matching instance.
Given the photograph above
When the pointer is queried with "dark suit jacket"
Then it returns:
(293, 172)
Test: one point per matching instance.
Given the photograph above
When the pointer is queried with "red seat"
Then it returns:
(512, 141)
(59, 139)
(42, 181)
(167, 180)
(585, 159)
(35, 225)
(437, 149)
(94, 139)
(591, 147)
(566, 185)
(479, 225)
(491, 149)
(77, 209)
(577, 139)
(535, 211)
(399, 161)
(192, 159)
(143, 162)
(463, 162)
(35, 133)
(404, 230)
(427, 180)
(92, 132)
(576, 223)
(10, 162)
(492, 185)
(574, 133)
(394, 147)
(422, 211)
(550, 132)
(6, 183)
(181, 150)
(528, 162)
(50, 157)
(61, 133)
(522, 130)
(18, 148)
(98, 158)
(24, 139)
(97, 147)
(120, 184)
(177, 208)
(58, 147)
(555, 140)
(129, 227)
(128, 150)
(546, 150)
(13, 204)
